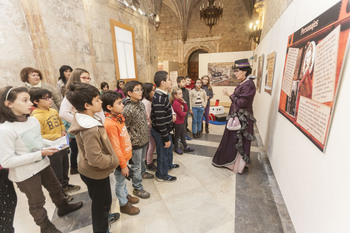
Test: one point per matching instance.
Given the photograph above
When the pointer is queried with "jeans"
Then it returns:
(138, 166)
(73, 153)
(101, 200)
(32, 188)
(206, 113)
(164, 155)
(60, 165)
(197, 119)
(120, 188)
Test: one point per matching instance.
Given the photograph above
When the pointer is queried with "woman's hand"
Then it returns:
(125, 171)
(48, 152)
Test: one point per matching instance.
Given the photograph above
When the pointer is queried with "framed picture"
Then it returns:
(123, 41)
(221, 74)
(260, 73)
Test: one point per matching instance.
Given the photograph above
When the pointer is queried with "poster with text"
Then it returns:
(221, 74)
(260, 73)
(270, 70)
(173, 78)
(312, 73)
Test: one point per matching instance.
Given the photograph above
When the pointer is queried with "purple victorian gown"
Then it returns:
(238, 141)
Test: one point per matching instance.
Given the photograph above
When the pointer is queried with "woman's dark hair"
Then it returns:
(9, 94)
(147, 89)
(108, 98)
(103, 84)
(37, 93)
(79, 94)
(248, 69)
(118, 84)
(27, 71)
(62, 70)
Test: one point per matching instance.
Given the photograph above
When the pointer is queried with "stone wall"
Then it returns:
(229, 34)
(46, 34)
(273, 10)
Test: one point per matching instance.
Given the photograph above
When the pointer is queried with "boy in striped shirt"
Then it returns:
(162, 124)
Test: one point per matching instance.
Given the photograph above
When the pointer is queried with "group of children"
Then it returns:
(137, 119)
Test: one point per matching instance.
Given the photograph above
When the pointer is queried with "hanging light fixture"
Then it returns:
(211, 13)
(255, 31)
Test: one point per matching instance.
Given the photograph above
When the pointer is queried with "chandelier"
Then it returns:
(211, 13)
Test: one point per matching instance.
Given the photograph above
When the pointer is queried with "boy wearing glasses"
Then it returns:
(136, 123)
(52, 128)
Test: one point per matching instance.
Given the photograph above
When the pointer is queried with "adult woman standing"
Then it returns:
(235, 143)
(65, 72)
(32, 78)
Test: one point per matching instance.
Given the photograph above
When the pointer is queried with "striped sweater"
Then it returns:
(161, 114)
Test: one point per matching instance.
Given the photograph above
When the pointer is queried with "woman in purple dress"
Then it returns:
(238, 142)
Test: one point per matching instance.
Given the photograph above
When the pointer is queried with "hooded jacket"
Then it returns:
(97, 158)
(136, 122)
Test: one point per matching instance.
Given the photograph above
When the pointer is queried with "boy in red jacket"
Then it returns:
(118, 135)
(180, 108)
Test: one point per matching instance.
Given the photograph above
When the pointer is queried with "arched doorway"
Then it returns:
(193, 63)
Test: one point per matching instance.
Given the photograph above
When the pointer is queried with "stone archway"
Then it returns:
(193, 63)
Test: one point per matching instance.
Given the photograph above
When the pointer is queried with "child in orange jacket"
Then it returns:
(120, 140)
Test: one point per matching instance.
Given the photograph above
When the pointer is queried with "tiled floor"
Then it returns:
(203, 199)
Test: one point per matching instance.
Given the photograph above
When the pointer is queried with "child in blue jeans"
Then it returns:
(198, 99)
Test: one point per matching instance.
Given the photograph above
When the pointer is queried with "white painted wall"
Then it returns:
(315, 185)
(206, 58)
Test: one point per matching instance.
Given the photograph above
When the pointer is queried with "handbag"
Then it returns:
(233, 124)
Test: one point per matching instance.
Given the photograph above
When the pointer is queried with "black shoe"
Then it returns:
(167, 179)
(207, 128)
(194, 135)
(199, 134)
(66, 208)
(69, 198)
(74, 170)
(112, 218)
(174, 165)
(151, 167)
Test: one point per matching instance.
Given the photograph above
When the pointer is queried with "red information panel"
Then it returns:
(312, 71)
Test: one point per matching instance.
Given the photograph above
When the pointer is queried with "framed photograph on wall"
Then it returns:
(313, 71)
(123, 40)
(270, 70)
(221, 74)
(260, 73)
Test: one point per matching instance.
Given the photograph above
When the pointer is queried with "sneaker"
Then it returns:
(178, 151)
(74, 170)
(169, 178)
(132, 200)
(129, 209)
(71, 188)
(147, 175)
(141, 193)
(69, 198)
(189, 149)
(187, 137)
(174, 165)
(112, 218)
(151, 167)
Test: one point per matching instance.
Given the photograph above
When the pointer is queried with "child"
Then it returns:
(180, 108)
(181, 82)
(97, 158)
(198, 99)
(148, 93)
(136, 123)
(209, 91)
(23, 154)
(162, 124)
(189, 84)
(52, 128)
(120, 87)
(104, 87)
(119, 138)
